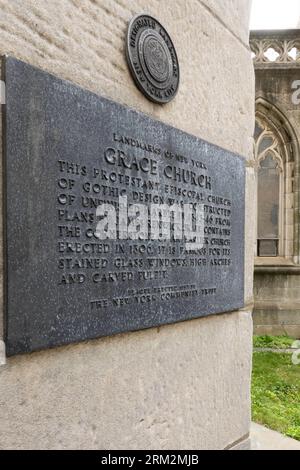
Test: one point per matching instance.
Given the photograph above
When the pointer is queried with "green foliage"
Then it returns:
(276, 393)
(274, 342)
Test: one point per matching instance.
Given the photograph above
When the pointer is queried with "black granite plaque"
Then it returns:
(68, 152)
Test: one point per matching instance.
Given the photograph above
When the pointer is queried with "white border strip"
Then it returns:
(2, 344)
(2, 92)
(2, 353)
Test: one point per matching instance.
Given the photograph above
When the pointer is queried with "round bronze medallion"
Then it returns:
(152, 59)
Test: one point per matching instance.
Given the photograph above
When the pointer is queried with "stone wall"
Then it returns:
(277, 301)
(183, 386)
(277, 280)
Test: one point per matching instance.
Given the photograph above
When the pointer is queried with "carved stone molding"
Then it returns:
(271, 49)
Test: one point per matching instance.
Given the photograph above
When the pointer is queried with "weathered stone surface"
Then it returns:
(274, 329)
(184, 386)
(235, 18)
(277, 302)
(34, 32)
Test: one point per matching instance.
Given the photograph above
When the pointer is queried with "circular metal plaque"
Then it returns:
(152, 59)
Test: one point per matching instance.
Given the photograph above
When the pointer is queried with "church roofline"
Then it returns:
(275, 33)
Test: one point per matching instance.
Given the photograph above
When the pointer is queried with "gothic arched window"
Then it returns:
(274, 176)
(268, 194)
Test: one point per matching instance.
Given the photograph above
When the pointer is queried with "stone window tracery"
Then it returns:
(274, 171)
(270, 50)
